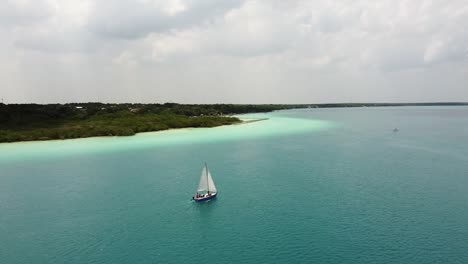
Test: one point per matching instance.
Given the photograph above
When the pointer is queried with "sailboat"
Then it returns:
(206, 188)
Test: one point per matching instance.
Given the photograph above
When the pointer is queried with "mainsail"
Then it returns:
(206, 182)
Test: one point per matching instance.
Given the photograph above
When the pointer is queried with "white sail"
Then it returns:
(211, 185)
(206, 182)
(203, 184)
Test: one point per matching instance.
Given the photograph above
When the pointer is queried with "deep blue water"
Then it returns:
(350, 192)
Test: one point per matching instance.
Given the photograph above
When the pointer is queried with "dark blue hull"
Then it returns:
(204, 199)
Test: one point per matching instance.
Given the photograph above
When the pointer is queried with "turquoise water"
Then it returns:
(305, 186)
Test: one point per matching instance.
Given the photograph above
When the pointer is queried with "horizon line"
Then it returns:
(340, 103)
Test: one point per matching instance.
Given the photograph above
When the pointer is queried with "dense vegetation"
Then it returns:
(24, 122)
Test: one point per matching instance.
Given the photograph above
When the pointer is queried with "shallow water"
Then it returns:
(314, 185)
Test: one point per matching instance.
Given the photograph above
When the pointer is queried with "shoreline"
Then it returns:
(244, 121)
(250, 120)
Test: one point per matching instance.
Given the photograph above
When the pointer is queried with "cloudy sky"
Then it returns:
(227, 51)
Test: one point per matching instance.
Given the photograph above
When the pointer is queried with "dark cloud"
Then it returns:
(14, 14)
(136, 19)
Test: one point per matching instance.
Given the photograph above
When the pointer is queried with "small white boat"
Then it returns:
(206, 187)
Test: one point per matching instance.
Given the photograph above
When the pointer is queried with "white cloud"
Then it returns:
(170, 7)
(265, 44)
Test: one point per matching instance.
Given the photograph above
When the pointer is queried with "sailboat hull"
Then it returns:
(206, 198)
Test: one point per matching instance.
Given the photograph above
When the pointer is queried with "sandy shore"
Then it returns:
(250, 120)
(243, 122)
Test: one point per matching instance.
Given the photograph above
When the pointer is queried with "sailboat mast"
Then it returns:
(207, 180)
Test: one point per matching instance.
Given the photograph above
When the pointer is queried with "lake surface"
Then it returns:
(305, 186)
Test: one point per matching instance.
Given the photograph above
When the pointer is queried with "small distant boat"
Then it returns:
(396, 129)
(206, 188)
